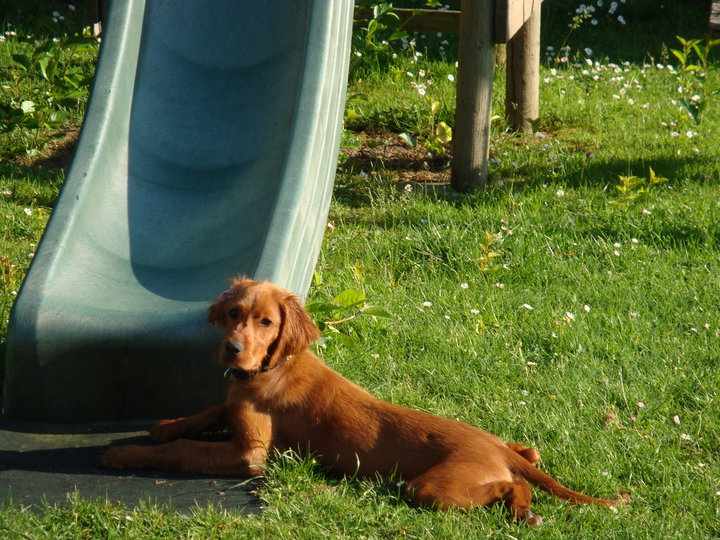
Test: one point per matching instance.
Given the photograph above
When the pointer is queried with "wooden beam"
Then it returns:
(471, 140)
(522, 88)
(420, 20)
(510, 15)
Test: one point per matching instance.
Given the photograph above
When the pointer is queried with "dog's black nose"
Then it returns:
(233, 347)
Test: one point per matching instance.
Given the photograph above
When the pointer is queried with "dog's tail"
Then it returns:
(535, 476)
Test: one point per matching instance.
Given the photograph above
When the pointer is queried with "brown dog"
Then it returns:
(282, 396)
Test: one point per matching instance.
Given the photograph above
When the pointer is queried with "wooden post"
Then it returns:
(715, 18)
(471, 140)
(522, 96)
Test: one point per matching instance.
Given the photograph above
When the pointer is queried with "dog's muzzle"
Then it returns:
(233, 347)
(240, 374)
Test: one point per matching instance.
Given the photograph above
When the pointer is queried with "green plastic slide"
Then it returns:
(208, 150)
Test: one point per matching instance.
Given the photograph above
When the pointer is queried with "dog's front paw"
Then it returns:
(122, 457)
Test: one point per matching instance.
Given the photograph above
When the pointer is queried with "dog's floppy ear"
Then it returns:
(298, 329)
(216, 312)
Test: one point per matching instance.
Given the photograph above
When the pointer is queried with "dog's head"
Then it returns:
(262, 323)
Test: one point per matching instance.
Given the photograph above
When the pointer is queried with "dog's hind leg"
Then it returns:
(532, 455)
(451, 485)
(518, 502)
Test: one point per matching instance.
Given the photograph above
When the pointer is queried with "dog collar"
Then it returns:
(240, 374)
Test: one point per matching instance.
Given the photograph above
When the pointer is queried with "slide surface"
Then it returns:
(208, 150)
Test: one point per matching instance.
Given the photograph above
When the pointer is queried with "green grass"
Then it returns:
(595, 389)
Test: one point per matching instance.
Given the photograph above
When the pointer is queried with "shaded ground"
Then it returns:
(37, 467)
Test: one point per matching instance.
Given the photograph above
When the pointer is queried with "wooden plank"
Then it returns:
(420, 20)
(471, 140)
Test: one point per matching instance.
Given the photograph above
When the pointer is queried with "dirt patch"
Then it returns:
(57, 154)
(388, 152)
(384, 151)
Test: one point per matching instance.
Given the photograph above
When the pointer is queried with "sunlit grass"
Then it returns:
(548, 309)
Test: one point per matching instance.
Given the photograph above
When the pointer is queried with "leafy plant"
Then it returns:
(43, 79)
(373, 43)
(489, 251)
(438, 136)
(693, 59)
(633, 188)
(13, 115)
(440, 133)
(343, 308)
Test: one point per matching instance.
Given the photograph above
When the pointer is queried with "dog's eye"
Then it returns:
(265, 322)
(233, 313)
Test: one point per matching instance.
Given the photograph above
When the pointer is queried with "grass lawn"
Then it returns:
(549, 308)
